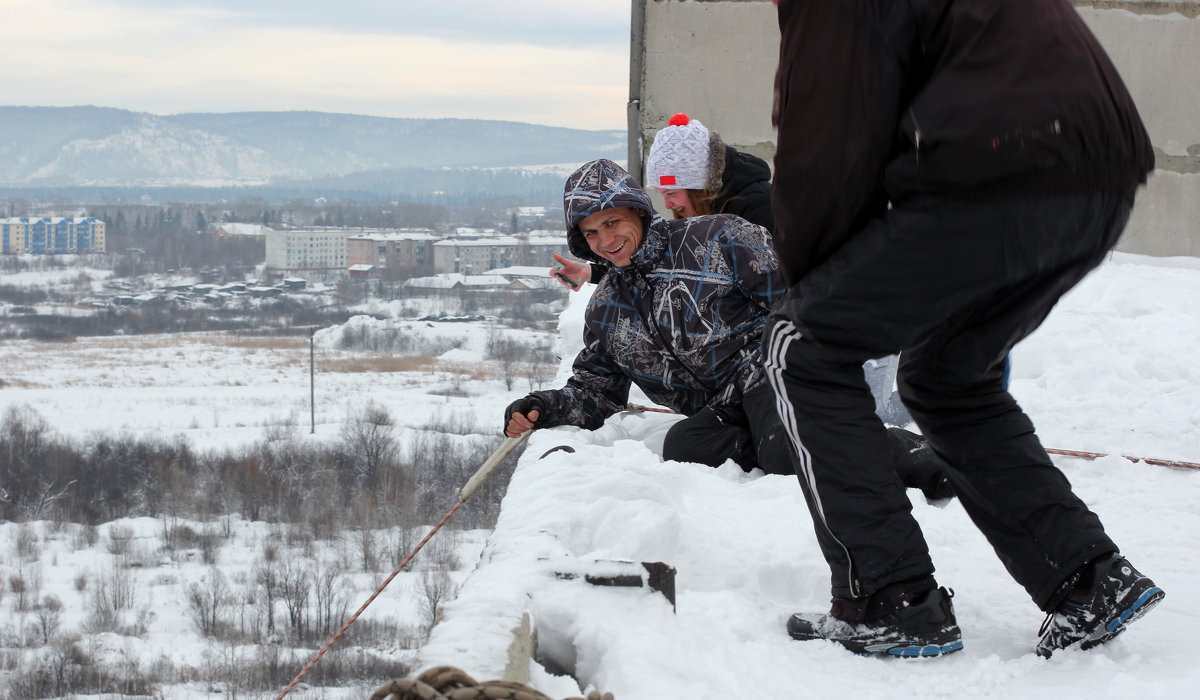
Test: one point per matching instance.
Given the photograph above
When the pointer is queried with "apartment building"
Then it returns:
(408, 248)
(468, 251)
(475, 255)
(307, 249)
(51, 235)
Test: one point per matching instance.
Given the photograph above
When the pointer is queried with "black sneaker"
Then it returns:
(924, 628)
(1098, 609)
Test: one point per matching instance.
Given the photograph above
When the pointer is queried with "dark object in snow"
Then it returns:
(655, 575)
(560, 448)
(454, 319)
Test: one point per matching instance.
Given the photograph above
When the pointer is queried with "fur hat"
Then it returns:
(679, 156)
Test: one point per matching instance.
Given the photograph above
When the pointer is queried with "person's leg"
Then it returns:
(922, 272)
(916, 463)
(886, 600)
(771, 446)
(954, 383)
(842, 457)
(705, 438)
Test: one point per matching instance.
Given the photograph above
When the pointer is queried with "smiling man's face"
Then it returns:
(613, 234)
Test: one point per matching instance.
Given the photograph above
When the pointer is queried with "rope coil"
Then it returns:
(450, 683)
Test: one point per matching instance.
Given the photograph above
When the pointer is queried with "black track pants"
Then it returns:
(754, 439)
(954, 286)
(706, 438)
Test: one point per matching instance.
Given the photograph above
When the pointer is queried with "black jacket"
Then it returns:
(683, 321)
(878, 101)
(745, 189)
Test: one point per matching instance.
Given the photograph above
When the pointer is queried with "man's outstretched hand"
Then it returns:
(570, 273)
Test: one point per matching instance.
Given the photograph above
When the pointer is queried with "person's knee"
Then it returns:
(680, 443)
(702, 439)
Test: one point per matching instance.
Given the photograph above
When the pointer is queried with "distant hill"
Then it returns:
(104, 147)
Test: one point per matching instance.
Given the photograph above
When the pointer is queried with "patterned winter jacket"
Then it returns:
(683, 321)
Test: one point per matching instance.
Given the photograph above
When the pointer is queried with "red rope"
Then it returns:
(1178, 464)
(374, 595)
(637, 408)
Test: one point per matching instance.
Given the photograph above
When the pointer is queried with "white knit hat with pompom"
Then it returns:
(678, 157)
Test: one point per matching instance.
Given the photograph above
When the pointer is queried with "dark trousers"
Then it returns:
(752, 437)
(952, 286)
(757, 439)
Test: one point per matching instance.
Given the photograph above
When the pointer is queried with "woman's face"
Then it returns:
(678, 202)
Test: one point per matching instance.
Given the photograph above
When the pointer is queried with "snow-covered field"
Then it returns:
(217, 390)
(1113, 370)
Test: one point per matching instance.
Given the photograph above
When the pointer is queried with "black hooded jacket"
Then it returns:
(881, 101)
(745, 188)
(683, 320)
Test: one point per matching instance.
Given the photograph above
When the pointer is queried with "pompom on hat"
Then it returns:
(679, 156)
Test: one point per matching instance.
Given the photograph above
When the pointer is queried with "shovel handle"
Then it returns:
(490, 465)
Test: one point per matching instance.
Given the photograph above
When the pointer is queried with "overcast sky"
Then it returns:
(556, 62)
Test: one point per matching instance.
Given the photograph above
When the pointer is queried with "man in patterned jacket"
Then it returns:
(680, 313)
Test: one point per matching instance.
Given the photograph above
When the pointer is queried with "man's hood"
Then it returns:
(595, 186)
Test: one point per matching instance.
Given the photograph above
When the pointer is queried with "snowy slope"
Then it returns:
(1114, 369)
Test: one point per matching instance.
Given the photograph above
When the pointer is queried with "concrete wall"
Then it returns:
(715, 60)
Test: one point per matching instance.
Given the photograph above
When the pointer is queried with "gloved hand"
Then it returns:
(522, 414)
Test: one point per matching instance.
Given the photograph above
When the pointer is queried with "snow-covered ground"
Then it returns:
(1114, 369)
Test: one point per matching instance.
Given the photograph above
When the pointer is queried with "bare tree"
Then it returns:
(208, 601)
(266, 575)
(49, 617)
(434, 588)
(295, 588)
(116, 588)
(508, 353)
(369, 439)
(27, 542)
(24, 441)
(330, 599)
(368, 547)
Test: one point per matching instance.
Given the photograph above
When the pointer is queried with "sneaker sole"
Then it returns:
(916, 651)
(908, 651)
(1144, 604)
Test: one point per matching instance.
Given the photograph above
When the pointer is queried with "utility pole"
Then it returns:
(312, 384)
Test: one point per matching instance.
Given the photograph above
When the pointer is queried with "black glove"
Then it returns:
(523, 406)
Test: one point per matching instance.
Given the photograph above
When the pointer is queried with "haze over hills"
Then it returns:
(106, 147)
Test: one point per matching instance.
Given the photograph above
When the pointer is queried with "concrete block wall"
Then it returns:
(716, 59)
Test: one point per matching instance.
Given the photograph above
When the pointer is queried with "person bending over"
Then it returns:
(680, 314)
